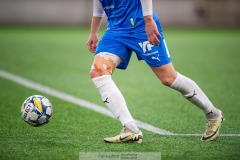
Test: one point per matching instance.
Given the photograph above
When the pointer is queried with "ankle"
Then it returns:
(213, 114)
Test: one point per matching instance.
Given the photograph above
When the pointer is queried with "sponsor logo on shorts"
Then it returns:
(156, 58)
(147, 48)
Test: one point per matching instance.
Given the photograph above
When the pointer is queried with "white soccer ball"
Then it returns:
(36, 110)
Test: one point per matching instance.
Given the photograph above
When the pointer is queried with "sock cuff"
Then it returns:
(101, 80)
(178, 83)
(100, 77)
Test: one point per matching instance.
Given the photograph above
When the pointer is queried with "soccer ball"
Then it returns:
(36, 110)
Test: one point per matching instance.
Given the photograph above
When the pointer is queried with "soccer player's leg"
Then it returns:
(103, 66)
(192, 92)
(158, 59)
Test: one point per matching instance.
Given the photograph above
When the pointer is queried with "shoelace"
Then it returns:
(209, 126)
(124, 130)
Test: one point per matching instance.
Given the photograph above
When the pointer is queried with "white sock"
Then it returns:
(191, 91)
(114, 100)
(132, 127)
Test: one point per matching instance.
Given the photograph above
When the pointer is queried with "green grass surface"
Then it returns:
(58, 58)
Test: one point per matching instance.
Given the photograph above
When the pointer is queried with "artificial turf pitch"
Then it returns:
(58, 58)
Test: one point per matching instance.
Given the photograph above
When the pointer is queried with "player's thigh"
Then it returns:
(112, 42)
(157, 57)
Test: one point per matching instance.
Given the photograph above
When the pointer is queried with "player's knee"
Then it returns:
(93, 73)
(102, 65)
(167, 81)
(97, 71)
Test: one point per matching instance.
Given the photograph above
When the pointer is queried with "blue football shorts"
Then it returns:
(123, 44)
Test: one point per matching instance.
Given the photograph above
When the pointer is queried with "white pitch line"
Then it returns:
(83, 103)
(80, 102)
